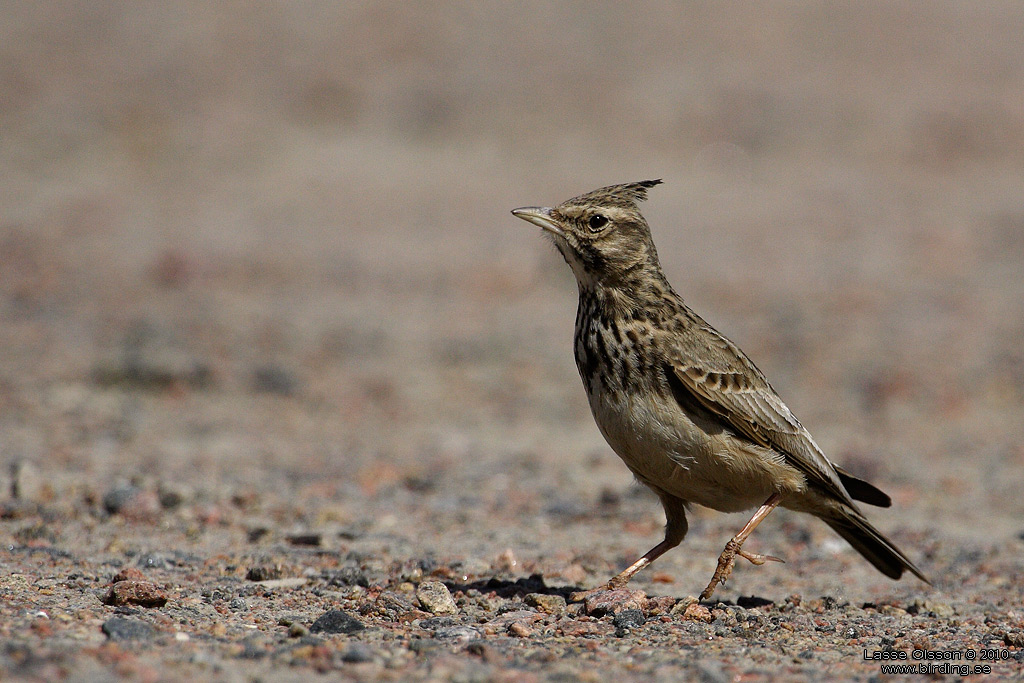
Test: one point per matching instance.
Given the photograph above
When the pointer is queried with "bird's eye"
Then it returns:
(597, 221)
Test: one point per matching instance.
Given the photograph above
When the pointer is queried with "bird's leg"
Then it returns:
(727, 559)
(675, 531)
(623, 577)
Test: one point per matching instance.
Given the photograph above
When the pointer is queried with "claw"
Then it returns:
(758, 559)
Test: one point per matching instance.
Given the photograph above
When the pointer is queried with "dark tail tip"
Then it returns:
(876, 548)
(863, 491)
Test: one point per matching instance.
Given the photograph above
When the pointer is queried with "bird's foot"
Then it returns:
(755, 558)
(727, 561)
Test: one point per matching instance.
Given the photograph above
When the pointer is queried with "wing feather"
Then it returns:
(727, 384)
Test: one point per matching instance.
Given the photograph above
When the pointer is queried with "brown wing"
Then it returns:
(728, 385)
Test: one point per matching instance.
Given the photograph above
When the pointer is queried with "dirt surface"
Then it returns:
(286, 391)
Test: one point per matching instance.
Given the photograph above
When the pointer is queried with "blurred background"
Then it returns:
(262, 251)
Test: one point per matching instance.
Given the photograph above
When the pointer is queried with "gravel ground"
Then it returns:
(286, 391)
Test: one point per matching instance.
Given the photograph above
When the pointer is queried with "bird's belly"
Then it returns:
(670, 451)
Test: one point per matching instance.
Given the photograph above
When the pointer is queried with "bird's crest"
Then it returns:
(626, 195)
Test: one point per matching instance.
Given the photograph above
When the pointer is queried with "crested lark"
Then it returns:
(686, 410)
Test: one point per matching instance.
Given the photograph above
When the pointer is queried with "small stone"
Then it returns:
(575, 609)
(893, 610)
(128, 574)
(120, 628)
(134, 592)
(297, 630)
(577, 628)
(503, 622)
(660, 605)
(939, 609)
(552, 604)
(238, 605)
(697, 612)
(311, 539)
(611, 602)
(1014, 638)
(356, 653)
(520, 629)
(156, 561)
(458, 634)
(629, 618)
(434, 597)
(117, 497)
(437, 623)
(391, 604)
(336, 621)
(264, 572)
(172, 495)
(348, 576)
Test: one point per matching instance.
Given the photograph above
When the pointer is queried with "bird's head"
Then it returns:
(601, 234)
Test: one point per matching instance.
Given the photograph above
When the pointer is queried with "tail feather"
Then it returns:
(869, 542)
(861, 490)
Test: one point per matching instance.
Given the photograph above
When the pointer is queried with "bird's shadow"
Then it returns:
(521, 587)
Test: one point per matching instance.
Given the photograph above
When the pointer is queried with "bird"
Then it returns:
(685, 409)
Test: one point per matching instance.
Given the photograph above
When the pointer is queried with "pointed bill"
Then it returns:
(539, 216)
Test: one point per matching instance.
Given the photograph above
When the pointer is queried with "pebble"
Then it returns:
(610, 602)
(629, 618)
(552, 604)
(171, 495)
(521, 629)
(434, 597)
(135, 592)
(336, 621)
(131, 502)
(156, 560)
(504, 622)
(697, 612)
(576, 628)
(939, 609)
(128, 574)
(348, 576)
(264, 572)
(356, 653)
(121, 628)
(660, 605)
(391, 604)
(458, 634)
(297, 630)
(311, 539)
